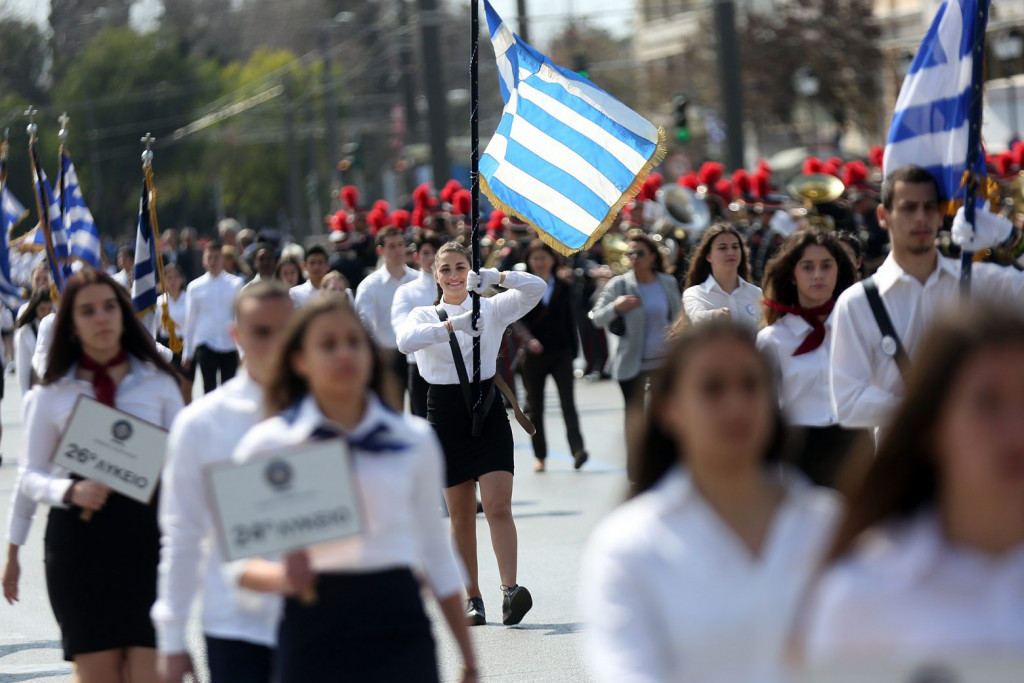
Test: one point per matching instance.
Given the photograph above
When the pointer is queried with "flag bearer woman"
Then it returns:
(100, 573)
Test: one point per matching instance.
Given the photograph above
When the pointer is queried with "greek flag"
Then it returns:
(60, 270)
(566, 156)
(931, 123)
(12, 213)
(144, 294)
(79, 226)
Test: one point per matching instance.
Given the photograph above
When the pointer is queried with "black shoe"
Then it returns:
(516, 603)
(578, 458)
(475, 612)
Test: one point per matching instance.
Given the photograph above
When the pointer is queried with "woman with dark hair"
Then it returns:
(801, 284)
(639, 306)
(100, 572)
(175, 302)
(928, 564)
(717, 285)
(368, 622)
(699, 575)
(289, 271)
(548, 333)
(26, 329)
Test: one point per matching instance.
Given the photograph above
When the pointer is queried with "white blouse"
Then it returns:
(145, 392)
(177, 310)
(804, 392)
(905, 594)
(670, 593)
(398, 489)
(426, 336)
(744, 303)
(24, 347)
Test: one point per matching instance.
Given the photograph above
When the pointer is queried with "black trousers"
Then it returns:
(417, 387)
(211, 361)
(236, 661)
(535, 371)
(822, 453)
(398, 364)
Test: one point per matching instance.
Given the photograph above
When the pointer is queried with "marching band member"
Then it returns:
(239, 627)
(208, 313)
(419, 292)
(100, 573)
(801, 284)
(717, 284)
(376, 293)
(488, 456)
(928, 565)
(913, 284)
(316, 267)
(699, 576)
(26, 329)
(368, 621)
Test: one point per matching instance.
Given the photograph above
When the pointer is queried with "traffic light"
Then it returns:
(682, 127)
(579, 65)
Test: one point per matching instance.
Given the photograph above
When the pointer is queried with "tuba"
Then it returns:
(685, 208)
(811, 190)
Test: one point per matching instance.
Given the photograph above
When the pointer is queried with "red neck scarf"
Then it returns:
(812, 316)
(102, 382)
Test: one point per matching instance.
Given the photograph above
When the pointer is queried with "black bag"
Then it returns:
(617, 326)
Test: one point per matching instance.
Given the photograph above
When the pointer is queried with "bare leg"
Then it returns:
(461, 501)
(496, 494)
(99, 667)
(141, 665)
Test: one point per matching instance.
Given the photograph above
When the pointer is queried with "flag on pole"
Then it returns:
(144, 289)
(931, 125)
(50, 228)
(12, 212)
(566, 156)
(79, 226)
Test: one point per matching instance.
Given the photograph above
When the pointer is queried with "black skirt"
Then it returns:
(822, 452)
(467, 457)
(362, 627)
(101, 575)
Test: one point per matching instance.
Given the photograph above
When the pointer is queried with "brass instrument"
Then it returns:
(495, 255)
(811, 190)
(685, 208)
(614, 247)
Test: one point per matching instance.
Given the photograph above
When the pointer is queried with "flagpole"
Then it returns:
(474, 180)
(42, 205)
(62, 135)
(174, 342)
(974, 133)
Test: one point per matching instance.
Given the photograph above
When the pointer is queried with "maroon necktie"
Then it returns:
(813, 317)
(102, 382)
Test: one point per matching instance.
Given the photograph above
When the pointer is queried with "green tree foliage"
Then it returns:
(23, 67)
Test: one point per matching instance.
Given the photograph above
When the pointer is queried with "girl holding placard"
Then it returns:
(368, 621)
(100, 572)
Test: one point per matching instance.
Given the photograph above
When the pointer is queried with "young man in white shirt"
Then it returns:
(126, 262)
(915, 283)
(209, 310)
(377, 292)
(240, 627)
(419, 292)
(316, 266)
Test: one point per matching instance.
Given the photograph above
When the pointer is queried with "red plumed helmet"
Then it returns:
(855, 173)
(723, 188)
(813, 165)
(764, 167)
(376, 219)
(741, 183)
(421, 195)
(760, 184)
(382, 206)
(710, 173)
(1018, 154)
(689, 180)
(876, 156)
(417, 216)
(1003, 164)
(462, 203)
(338, 220)
(400, 219)
(494, 225)
(350, 195)
(447, 193)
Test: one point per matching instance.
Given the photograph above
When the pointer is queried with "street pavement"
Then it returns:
(554, 513)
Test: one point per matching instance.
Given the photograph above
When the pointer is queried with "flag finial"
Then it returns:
(147, 154)
(62, 134)
(32, 128)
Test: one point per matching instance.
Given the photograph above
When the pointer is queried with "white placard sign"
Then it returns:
(114, 448)
(285, 500)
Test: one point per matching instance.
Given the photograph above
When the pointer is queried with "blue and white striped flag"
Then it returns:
(567, 156)
(79, 226)
(60, 270)
(931, 123)
(144, 291)
(12, 213)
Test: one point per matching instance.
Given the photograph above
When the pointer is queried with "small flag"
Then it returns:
(931, 124)
(12, 213)
(79, 226)
(144, 292)
(60, 265)
(566, 156)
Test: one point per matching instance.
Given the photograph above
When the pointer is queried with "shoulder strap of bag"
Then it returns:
(897, 351)
(460, 363)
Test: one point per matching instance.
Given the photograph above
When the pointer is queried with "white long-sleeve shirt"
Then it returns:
(302, 294)
(208, 312)
(906, 595)
(670, 593)
(865, 381)
(804, 393)
(205, 433)
(176, 307)
(427, 337)
(374, 297)
(419, 292)
(402, 524)
(744, 303)
(24, 347)
(145, 392)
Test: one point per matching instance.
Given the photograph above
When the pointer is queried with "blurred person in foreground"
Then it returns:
(699, 575)
(928, 564)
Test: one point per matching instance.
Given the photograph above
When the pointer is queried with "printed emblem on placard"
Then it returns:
(278, 474)
(121, 430)
(889, 346)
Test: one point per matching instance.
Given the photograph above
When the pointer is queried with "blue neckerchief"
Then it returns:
(376, 441)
